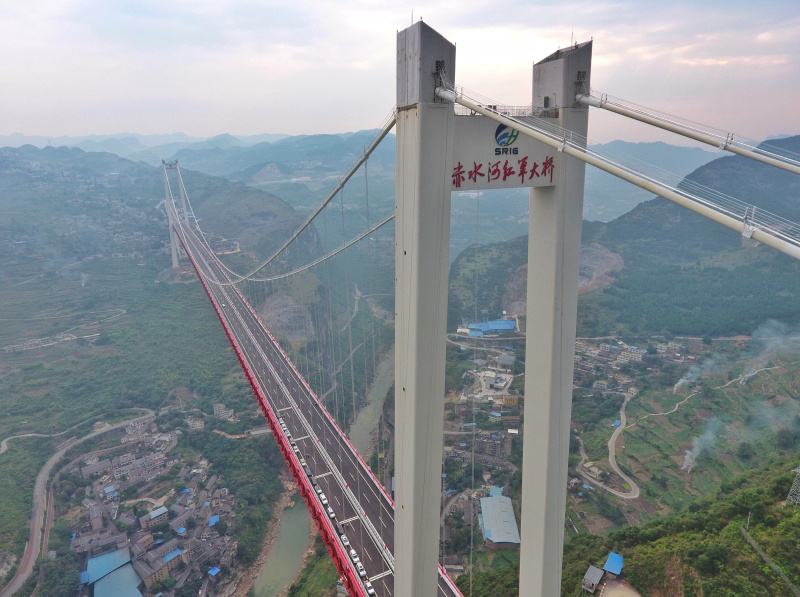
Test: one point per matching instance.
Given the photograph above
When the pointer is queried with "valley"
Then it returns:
(97, 306)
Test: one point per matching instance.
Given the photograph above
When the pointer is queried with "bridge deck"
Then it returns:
(363, 509)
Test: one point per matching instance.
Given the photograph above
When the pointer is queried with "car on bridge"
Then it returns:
(361, 572)
(323, 498)
(369, 588)
(354, 556)
(331, 513)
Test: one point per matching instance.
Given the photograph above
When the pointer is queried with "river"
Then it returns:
(367, 420)
(286, 554)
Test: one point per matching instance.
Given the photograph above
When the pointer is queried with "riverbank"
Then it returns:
(309, 553)
(248, 579)
(362, 431)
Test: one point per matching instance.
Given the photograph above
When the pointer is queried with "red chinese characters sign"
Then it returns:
(488, 156)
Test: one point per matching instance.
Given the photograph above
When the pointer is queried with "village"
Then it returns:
(150, 520)
(482, 424)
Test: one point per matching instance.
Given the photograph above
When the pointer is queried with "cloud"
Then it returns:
(769, 60)
(246, 66)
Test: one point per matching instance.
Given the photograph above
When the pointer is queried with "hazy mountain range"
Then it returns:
(279, 163)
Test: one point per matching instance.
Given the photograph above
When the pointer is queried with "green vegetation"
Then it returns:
(699, 551)
(485, 269)
(18, 468)
(319, 576)
(677, 264)
(94, 263)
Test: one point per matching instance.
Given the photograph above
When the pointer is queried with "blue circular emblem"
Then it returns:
(505, 136)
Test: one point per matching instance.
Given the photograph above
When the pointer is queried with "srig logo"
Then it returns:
(505, 136)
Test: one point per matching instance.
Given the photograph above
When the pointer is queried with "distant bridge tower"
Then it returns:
(174, 245)
(794, 492)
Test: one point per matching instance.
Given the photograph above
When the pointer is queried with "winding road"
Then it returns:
(6, 441)
(633, 493)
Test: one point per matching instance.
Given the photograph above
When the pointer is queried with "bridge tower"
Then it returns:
(554, 248)
(435, 150)
(422, 224)
(174, 245)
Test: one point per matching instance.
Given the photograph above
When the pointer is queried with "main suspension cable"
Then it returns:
(236, 277)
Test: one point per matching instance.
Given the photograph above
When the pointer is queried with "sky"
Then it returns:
(204, 67)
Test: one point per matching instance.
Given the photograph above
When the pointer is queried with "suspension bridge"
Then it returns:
(448, 140)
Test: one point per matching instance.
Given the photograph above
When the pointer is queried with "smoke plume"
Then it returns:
(701, 444)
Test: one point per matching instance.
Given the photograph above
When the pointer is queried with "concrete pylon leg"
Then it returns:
(553, 264)
(173, 238)
(422, 220)
(173, 246)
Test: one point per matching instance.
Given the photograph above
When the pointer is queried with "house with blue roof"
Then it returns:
(614, 563)
(213, 520)
(102, 565)
(493, 327)
(498, 522)
(175, 553)
(123, 582)
(158, 564)
(154, 517)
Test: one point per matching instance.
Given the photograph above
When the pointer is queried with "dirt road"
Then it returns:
(632, 494)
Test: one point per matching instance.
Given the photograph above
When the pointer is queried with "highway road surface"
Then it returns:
(362, 507)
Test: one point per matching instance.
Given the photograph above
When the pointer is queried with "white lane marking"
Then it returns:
(371, 530)
(256, 345)
(380, 576)
(349, 520)
(348, 455)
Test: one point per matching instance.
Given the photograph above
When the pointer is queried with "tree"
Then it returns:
(786, 438)
(745, 451)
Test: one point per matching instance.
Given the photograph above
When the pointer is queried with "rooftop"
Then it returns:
(158, 512)
(593, 575)
(561, 53)
(120, 583)
(614, 563)
(497, 520)
(495, 325)
(99, 566)
(168, 557)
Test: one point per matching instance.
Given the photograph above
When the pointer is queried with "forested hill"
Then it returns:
(314, 156)
(64, 203)
(93, 322)
(682, 273)
(698, 552)
(659, 226)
